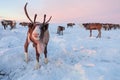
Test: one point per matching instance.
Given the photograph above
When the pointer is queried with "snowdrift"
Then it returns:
(73, 56)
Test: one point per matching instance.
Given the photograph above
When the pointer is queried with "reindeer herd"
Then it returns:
(60, 29)
(6, 23)
(99, 26)
(38, 33)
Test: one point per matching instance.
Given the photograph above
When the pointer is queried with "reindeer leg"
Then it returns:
(26, 49)
(90, 33)
(99, 34)
(11, 27)
(45, 53)
(57, 31)
(5, 27)
(37, 58)
(62, 32)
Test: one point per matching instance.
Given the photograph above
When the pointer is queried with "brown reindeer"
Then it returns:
(93, 26)
(110, 26)
(11, 23)
(38, 34)
(60, 30)
(24, 23)
(70, 24)
(105, 26)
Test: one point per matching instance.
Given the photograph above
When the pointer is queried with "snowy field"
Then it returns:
(73, 56)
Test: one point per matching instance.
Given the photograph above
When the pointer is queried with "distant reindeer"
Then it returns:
(11, 23)
(38, 34)
(105, 27)
(109, 26)
(93, 26)
(60, 30)
(70, 24)
(24, 24)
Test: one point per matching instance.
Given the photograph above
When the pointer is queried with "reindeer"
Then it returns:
(60, 30)
(11, 23)
(24, 24)
(70, 24)
(93, 26)
(38, 34)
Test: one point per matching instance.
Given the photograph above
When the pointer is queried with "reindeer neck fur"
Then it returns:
(44, 37)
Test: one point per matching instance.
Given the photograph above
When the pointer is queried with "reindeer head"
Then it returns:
(43, 26)
(33, 24)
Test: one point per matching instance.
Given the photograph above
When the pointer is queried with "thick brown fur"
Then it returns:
(93, 26)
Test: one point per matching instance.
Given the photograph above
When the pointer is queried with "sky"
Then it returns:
(63, 11)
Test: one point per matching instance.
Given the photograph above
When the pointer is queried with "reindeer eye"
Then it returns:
(42, 28)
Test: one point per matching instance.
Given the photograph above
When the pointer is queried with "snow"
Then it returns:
(72, 56)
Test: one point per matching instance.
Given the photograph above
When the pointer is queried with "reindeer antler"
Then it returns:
(27, 13)
(35, 18)
(25, 8)
(49, 19)
(44, 21)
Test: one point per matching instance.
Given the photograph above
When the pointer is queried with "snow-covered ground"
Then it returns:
(73, 56)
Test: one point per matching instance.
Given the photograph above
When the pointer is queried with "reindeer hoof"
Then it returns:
(26, 60)
(37, 66)
(26, 57)
(46, 60)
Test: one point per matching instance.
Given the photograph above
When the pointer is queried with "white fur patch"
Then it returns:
(40, 47)
(26, 57)
(46, 60)
(37, 66)
(36, 33)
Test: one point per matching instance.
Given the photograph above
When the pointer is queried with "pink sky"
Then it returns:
(64, 10)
